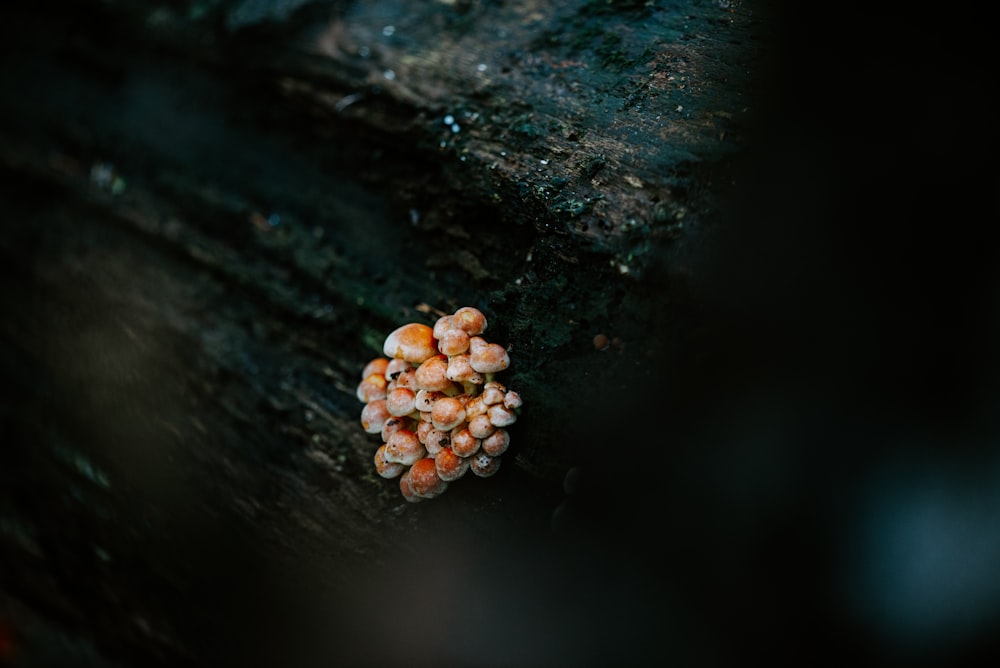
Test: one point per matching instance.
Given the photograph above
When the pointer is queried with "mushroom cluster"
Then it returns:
(434, 401)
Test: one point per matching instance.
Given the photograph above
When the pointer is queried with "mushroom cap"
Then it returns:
(484, 465)
(512, 400)
(425, 400)
(403, 447)
(394, 424)
(424, 479)
(480, 426)
(463, 443)
(436, 440)
(442, 325)
(374, 415)
(454, 342)
(447, 413)
(406, 489)
(489, 358)
(371, 387)
(432, 374)
(469, 319)
(400, 401)
(493, 393)
(377, 365)
(496, 443)
(501, 416)
(385, 468)
(449, 465)
(460, 370)
(413, 342)
(395, 367)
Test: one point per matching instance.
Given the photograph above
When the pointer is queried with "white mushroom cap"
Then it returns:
(463, 443)
(469, 319)
(448, 413)
(403, 447)
(493, 393)
(454, 342)
(512, 400)
(442, 325)
(460, 370)
(501, 416)
(432, 374)
(385, 468)
(425, 400)
(435, 440)
(496, 443)
(372, 386)
(488, 358)
(480, 426)
(413, 342)
(374, 415)
(395, 367)
(400, 401)
(483, 465)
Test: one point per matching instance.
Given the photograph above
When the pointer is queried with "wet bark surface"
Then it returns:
(216, 211)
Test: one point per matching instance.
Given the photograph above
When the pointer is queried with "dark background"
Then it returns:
(793, 459)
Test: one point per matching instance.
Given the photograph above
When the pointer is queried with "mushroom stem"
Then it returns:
(470, 388)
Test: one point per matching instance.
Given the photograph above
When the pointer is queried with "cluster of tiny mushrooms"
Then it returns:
(434, 401)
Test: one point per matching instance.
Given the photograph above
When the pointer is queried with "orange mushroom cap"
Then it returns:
(400, 401)
(449, 465)
(487, 357)
(377, 365)
(496, 443)
(374, 415)
(463, 443)
(447, 413)
(480, 426)
(406, 489)
(413, 342)
(424, 479)
(454, 342)
(432, 374)
(403, 447)
(501, 416)
(385, 468)
(469, 319)
(371, 387)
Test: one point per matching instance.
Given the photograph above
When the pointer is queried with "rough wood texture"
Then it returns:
(215, 212)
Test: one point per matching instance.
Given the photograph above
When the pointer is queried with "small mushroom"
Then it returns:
(400, 401)
(463, 443)
(501, 416)
(454, 342)
(480, 426)
(394, 424)
(377, 365)
(487, 357)
(449, 465)
(496, 443)
(432, 374)
(396, 367)
(470, 320)
(385, 468)
(406, 489)
(448, 413)
(425, 399)
(493, 393)
(484, 465)
(461, 371)
(435, 440)
(372, 386)
(403, 447)
(442, 325)
(424, 479)
(413, 342)
(374, 415)
(512, 400)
